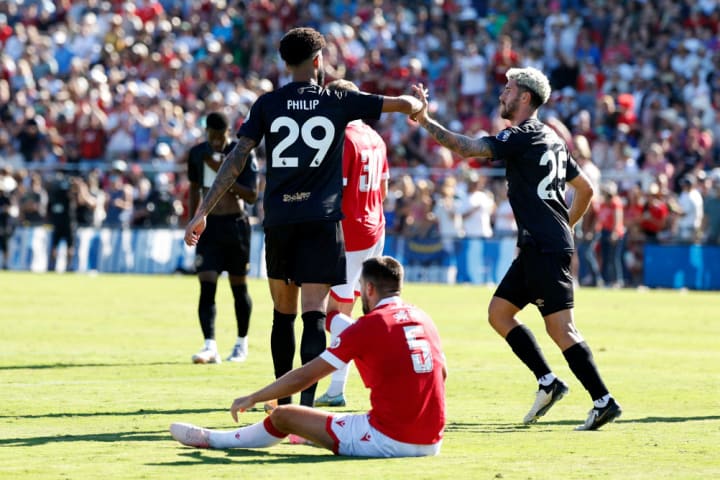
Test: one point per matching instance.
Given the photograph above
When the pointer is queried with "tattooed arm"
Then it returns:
(458, 143)
(225, 178)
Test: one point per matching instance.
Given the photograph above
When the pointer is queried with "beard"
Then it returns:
(365, 305)
(508, 110)
(321, 77)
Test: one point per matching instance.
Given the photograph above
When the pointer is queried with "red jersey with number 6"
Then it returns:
(365, 171)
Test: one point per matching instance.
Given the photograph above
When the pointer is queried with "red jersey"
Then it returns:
(396, 349)
(365, 169)
(607, 216)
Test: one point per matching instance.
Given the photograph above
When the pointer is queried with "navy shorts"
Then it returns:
(309, 252)
(540, 278)
(62, 231)
(224, 245)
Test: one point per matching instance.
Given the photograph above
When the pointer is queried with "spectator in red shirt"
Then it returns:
(504, 59)
(92, 137)
(612, 230)
(655, 215)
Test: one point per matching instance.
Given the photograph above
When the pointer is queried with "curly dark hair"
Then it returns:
(299, 44)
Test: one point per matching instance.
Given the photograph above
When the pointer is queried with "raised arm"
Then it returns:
(457, 142)
(406, 104)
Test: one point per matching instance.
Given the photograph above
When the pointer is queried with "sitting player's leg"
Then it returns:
(284, 420)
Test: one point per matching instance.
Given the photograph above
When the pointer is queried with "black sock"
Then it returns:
(311, 345)
(243, 308)
(206, 309)
(581, 362)
(523, 343)
(282, 345)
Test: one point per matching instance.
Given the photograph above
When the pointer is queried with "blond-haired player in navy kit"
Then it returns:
(538, 166)
(303, 126)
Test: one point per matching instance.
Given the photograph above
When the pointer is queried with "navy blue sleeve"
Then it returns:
(254, 125)
(505, 144)
(359, 105)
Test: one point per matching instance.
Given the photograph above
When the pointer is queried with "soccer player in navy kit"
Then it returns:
(303, 125)
(538, 166)
(225, 246)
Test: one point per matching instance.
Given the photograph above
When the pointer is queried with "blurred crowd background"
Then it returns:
(100, 101)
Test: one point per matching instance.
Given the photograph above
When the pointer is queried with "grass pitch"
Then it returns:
(93, 369)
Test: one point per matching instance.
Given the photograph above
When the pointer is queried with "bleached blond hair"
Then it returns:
(532, 79)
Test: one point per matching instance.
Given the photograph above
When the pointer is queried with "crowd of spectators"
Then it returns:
(104, 98)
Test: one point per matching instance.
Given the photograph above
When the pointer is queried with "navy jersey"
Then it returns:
(538, 164)
(304, 129)
(199, 172)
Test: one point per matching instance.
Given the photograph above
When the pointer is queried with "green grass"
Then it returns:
(94, 369)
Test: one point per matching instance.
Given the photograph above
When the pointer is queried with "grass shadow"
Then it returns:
(250, 456)
(141, 411)
(515, 427)
(47, 366)
(144, 436)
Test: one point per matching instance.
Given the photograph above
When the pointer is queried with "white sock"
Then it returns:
(338, 381)
(210, 344)
(252, 436)
(547, 379)
(602, 401)
(339, 377)
(339, 323)
(242, 342)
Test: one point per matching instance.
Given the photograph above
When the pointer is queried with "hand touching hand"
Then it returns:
(421, 93)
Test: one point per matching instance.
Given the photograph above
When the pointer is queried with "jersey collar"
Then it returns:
(389, 300)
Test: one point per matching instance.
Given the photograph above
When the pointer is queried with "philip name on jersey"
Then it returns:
(302, 104)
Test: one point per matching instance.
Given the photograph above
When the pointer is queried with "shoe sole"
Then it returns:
(327, 404)
(556, 398)
(199, 361)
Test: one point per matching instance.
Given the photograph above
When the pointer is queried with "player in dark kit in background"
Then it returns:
(538, 166)
(62, 213)
(303, 125)
(226, 243)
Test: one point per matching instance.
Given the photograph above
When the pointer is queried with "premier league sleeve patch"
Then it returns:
(503, 135)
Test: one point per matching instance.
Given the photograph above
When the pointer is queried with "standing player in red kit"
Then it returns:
(396, 348)
(365, 186)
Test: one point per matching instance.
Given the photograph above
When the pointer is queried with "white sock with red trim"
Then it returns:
(258, 435)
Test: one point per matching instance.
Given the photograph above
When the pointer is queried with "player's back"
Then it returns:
(303, 126)
(403, 369)
(365, 170)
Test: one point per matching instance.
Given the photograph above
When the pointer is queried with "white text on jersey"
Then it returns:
(302, 104)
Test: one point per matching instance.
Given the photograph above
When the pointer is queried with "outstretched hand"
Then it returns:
(240, 405)
(194, 229)
(421, 93)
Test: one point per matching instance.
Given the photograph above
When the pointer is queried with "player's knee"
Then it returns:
(281, 417)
